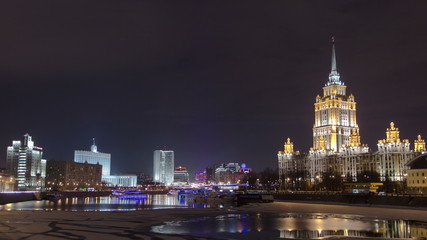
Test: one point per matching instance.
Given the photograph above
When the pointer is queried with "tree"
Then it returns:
(331, 181)
(388, 185)
(268, 178)
(250, 179)
(368, 176)
(348, 178)
(297, 180)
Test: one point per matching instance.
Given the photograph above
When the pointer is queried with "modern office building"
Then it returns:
(67, 175)
(24, 163)
(181, 176)
(163, 167)
(337, 143)
(94, 157)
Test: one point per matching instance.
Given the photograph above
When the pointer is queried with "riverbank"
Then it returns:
(14, 197)
(18, 197)
(398, 200)
(34, 225)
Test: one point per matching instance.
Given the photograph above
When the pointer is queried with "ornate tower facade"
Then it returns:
(419, 145)
(335, 113)
(393, 154)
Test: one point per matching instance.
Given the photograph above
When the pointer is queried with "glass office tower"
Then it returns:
(163, 167)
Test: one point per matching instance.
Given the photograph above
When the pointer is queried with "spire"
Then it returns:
(334, 76)
(93, 148)
(334, 59)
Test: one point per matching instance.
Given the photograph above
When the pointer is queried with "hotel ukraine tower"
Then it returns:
(335, 113)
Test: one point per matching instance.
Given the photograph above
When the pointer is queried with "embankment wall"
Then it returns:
(402, 200)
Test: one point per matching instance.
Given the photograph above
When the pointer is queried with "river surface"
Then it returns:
(103, 204)
(294, 226)
(239, 226)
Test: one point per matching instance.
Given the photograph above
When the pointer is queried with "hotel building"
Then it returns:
(337, 144)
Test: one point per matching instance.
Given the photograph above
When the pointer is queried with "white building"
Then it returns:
(104, 159)
(25, 163)
(163, 167)
(120, 180)
(94, 157)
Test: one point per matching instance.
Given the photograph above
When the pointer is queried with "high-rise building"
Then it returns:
(94, 157)
(25, 163)
(7, 182)
(337, 144)
(335, 113)
(163, 166)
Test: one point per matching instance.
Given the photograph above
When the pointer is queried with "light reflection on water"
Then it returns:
(103, 204)
(290, 226)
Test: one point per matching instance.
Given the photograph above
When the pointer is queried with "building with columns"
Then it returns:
(337, 142)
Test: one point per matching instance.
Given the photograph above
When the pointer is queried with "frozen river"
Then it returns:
(102, 204)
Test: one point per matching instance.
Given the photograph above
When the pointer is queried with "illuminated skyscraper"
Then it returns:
(163, 167)
(335, 113)
(25, 163)
(337, 143)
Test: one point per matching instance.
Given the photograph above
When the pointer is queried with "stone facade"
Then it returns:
(67, 175)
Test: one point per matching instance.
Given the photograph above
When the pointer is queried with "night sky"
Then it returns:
(215, 81)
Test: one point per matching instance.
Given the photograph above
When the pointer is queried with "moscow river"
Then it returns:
(291, 226)
(102, 204)
(279, 220)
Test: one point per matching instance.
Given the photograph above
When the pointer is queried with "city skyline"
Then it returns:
(213, 83)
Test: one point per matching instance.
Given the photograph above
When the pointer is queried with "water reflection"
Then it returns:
(291, 226)
(103, 204)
